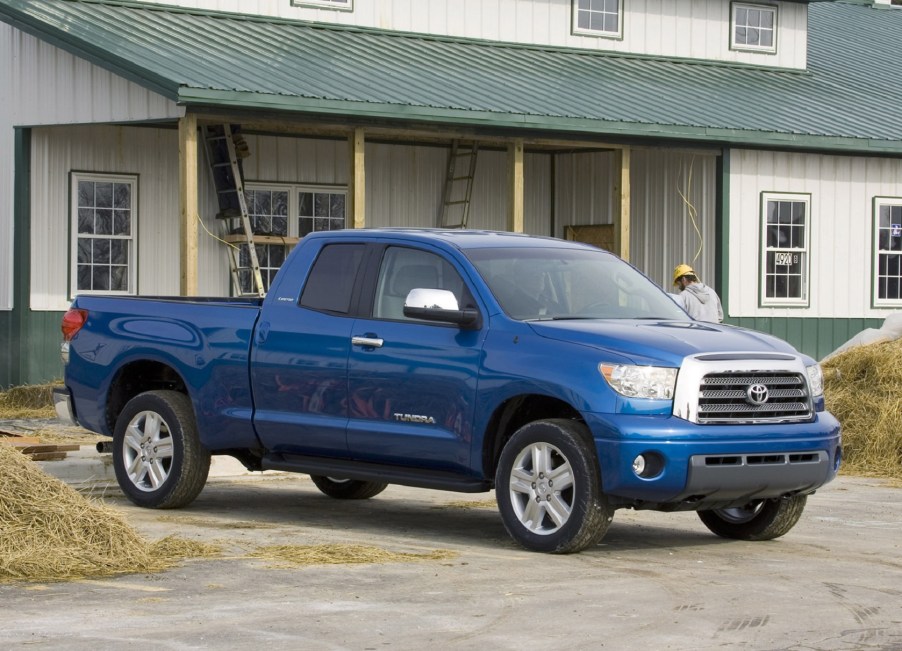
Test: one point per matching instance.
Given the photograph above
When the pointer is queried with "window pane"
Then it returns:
(84, 278)
(103, 195)
(119, 252)
(306, 204)
(119, 279)
(86, 220)
(100, 278)
(86, 193)
(101, 251)
(321, 205)
(84, 251)
(122, 222)
(332, 277)
(337, 208)
(103, 222)
(122, 196)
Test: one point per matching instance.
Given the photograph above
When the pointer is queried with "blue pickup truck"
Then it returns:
(550, 371)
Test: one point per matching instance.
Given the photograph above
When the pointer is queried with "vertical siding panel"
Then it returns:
(681, 28)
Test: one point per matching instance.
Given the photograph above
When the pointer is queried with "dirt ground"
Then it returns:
(657, 581)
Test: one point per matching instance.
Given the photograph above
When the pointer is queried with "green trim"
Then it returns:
(21, 253)
(762, 248)
(237, 100)
(810, 336)
(722, 230)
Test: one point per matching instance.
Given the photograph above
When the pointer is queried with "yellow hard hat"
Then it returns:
(682, 270)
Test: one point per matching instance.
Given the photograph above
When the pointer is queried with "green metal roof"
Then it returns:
(848, 99)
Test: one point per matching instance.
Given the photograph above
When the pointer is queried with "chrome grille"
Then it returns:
(725, 398)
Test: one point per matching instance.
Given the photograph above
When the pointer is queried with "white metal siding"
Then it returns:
(54, 87)
(672, 28)
(665, 231)
(152, 154)
(842, 190)
(662, 231)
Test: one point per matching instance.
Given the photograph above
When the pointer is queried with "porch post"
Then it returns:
(357, 194)
(621, 202)
(515, 187)
(188, 209)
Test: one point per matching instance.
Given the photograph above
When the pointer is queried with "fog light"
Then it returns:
(648, 465)
(639, 465)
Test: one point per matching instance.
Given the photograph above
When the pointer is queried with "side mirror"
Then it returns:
(438, 305)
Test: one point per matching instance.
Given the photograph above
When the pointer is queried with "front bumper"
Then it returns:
(62, 404)
(708, 466)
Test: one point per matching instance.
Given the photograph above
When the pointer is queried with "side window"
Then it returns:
(784, 263)
(598, 18)
(404, 269)
(321, 209)
(754, 28)
(331, 281)
(888, 252)
(268, 212)
(104, 234)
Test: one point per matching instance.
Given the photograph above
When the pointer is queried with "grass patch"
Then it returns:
(302, 555)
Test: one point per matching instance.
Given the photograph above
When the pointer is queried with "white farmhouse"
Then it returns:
(759, 141)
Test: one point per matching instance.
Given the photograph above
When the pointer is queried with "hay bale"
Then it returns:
(863, 389)
(50, 532)
(29, 401)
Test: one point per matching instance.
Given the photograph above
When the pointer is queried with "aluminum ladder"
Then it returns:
(455, 209)
(225, 148)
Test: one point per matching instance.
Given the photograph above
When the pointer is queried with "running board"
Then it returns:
(361, 470)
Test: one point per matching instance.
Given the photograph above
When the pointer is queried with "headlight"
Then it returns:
(815, 380)
(653, 382)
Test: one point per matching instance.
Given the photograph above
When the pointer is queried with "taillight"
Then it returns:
(73, 320)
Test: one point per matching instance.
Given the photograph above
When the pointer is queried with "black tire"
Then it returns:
(540, 516)
(759, 520)
(348, 489)
(157, 455)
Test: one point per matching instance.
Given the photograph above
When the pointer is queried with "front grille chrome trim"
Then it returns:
(715, 390)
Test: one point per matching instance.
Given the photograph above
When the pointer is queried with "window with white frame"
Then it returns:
(598, 17)
(887, 251)
(270, 209)
(754, 28)
(346, 5)
(104, 233)
(785, 255)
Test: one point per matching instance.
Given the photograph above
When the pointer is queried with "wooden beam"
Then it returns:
(515, 187)
(357, 191)
(622, 203)
(188, 198)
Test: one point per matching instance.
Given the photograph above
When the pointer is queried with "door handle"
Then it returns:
(371, 342)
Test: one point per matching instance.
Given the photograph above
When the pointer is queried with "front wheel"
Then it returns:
(157, 455)
(758, 520)
(548, 488)
(348, 489)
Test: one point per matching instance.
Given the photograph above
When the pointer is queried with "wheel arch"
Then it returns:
(136, 377)
(514, 413)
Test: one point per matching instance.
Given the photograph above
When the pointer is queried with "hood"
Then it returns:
(701, 291)
(663, 343)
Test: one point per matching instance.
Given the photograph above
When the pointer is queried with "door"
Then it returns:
(300, 357)
(412, 384)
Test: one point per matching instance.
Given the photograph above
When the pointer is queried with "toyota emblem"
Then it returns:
(756, 394)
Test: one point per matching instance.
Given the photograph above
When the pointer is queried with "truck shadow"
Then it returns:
(297, 513)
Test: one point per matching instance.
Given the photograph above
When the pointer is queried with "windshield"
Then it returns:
(557, 283)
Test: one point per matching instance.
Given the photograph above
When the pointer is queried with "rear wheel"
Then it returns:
(348, 489)
(758, 520)
(157, 455)
(548, 488)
